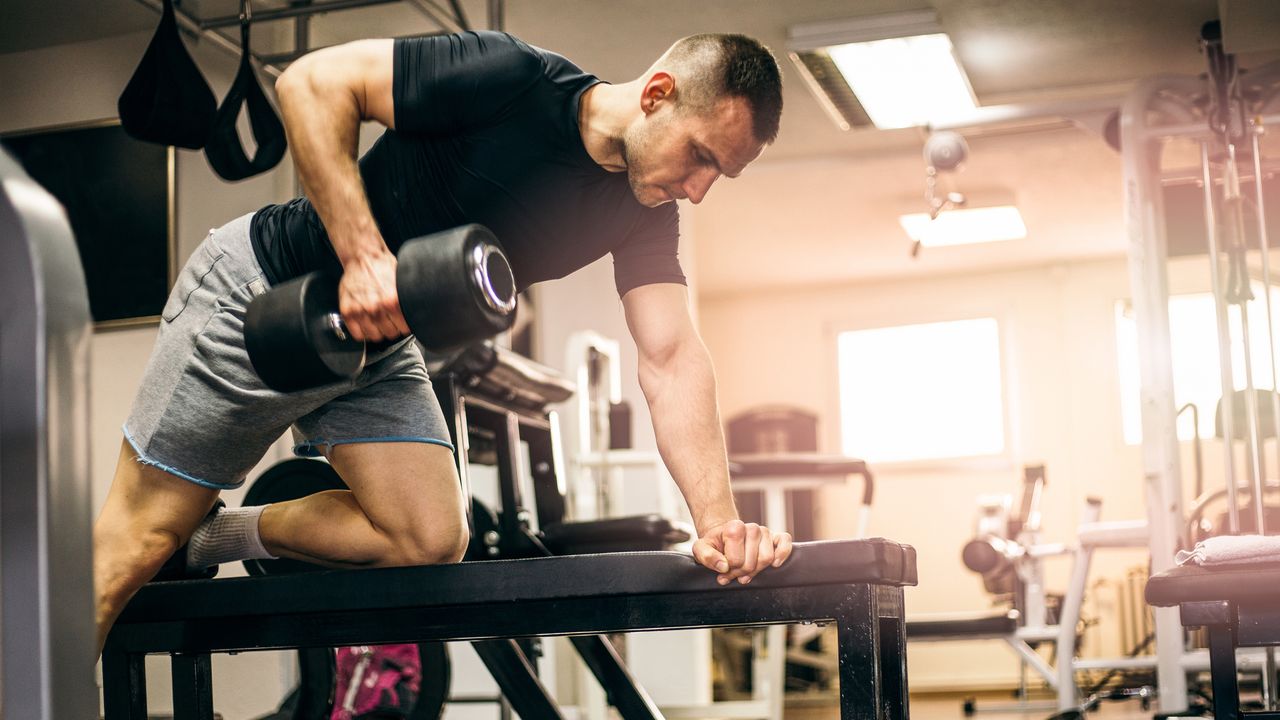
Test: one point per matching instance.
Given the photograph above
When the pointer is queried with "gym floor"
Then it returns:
(947, 706)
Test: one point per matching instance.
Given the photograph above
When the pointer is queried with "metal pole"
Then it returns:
(437, 15)
(497, 20)
(1227, 405)
(302, 35)
(1194, 131)
(289, 12)
(1265, 246)
(1149, 280)
(1232, 205)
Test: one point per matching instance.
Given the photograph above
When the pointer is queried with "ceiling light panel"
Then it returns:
(893, 71)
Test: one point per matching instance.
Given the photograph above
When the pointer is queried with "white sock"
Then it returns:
(228, 535)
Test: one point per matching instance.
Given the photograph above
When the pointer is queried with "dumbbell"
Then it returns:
(455, 288)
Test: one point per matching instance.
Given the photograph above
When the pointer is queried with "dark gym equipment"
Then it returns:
(455, 288)
(168, 101)
(224, 149)
(856, 584)
(46, 573)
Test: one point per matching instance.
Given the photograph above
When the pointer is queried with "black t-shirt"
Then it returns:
(487, 131)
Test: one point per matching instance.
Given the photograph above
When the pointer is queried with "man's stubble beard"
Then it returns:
(634, 143)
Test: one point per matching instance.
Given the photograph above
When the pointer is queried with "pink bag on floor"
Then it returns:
(376, 681)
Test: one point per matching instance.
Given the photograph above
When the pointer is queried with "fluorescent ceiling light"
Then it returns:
(892, 71)
(965, 226)
(905, 82)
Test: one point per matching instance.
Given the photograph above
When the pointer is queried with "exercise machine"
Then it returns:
(46, 569)
(1221, 115)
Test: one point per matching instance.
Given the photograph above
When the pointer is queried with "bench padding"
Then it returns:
(836, 562)
(984, 625)
(1197, 583)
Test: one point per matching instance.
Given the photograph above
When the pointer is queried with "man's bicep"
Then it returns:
(659, 320)
(363, 68)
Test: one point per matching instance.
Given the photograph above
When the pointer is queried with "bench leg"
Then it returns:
(517, 679)
(124, 686)
(192, 687)
(893, 652)
(1222, 669)
(632, 702)
(858, 639)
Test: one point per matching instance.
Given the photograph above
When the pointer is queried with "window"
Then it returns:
(1193, 337)
(920, 392)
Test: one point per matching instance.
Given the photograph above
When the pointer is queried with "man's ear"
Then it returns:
(660, 88)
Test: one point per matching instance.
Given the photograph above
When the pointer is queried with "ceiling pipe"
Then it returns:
(290, 12)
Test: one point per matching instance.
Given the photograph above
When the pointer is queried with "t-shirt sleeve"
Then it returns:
(449, 82)
(650, 254)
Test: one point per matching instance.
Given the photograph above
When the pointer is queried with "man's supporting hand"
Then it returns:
(739, 551)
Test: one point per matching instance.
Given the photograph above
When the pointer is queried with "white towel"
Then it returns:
(1232, 549)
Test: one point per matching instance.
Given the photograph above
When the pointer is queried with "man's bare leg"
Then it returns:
(405, 507)
(148, 515)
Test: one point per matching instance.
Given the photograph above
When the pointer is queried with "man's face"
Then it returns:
(673, 154)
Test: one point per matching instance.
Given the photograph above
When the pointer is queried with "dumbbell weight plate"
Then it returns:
(291, 339)
(455, 287)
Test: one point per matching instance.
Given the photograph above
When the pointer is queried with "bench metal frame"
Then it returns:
(476, 601)
(1230, 625)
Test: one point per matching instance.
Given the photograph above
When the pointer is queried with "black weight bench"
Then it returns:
(856, 584)
(972, 626)
(1239, 606)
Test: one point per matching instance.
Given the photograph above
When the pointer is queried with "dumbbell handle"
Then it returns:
(334, 322)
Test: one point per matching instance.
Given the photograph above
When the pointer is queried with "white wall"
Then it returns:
(80, 83)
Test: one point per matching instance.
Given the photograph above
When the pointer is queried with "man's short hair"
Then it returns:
(731, 65)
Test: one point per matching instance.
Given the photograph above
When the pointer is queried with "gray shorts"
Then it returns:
(201, 412)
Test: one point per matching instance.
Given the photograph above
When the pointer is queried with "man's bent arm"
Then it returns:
(679, 383)
(324, 96)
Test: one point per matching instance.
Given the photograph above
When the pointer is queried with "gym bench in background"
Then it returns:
(1239, 606)
(855, 584)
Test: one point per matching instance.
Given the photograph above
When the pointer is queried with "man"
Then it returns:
(480, 128)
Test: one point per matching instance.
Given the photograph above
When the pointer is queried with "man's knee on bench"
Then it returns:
(428, 544)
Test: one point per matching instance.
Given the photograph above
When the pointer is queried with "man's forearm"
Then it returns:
(322, 121)
(681, 393)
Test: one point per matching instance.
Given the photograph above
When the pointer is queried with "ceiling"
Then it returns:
(843, 189)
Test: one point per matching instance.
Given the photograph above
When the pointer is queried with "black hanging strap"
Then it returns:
(167, 101)
(224, 150)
